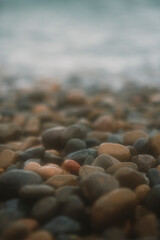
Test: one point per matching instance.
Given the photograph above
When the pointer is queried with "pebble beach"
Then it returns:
(80, 164)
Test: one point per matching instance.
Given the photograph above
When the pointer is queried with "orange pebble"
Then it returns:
(48, 171)
(32, 166)
(71, 166)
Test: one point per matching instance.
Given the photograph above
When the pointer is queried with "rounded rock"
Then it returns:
(7, 158)
(131, 137)
(144, 162)
(86, 170)
(71, 166)
(9, 131)
(74, 145)
(142, 191)
(112, 169)
(155, 143)
(105, 161)
(62, 180)
(49, 171)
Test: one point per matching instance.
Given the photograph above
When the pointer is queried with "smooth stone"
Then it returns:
(12, 181)
(63, 193)
(105, 123)
(88, 160)
(131, 137)
(62, 180)
(74, 145)
(105, 161)
(9, 131)
(97, 184)
(76, 97)
(73, 131)
(81, 155)
(113, 207)
(153, 200)
(142, 146)
(115, 138)
(7, 158)
(142, 191)
(49, 171)
(116, 150)
(45, 209)
(35, 152)
(11, 167)
(130, 178)
(155, 144)
(86, 170)
(144, 162)
(92, 142)
(71, 166)
(74, 208)
(52, 158)
(31, 160)
(112, 169)
(32, 166)
(101, 136)
(154, 176)
(29, 142)
(62, 224)
(32, 126)
(51, 138)
(40, 235)
(36, 191)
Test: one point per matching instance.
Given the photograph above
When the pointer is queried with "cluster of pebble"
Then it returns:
(78, 165)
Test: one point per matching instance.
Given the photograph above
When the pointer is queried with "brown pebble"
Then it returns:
(63, 180)
(114, 168)
(102, 136)
(155, 143)
(7, 158)
(105, 161)
(142, 191)
(76, 97)
(131, 137)
(105, 123)
(116, 150)
(48, 171)
(29, 142)
(9, 132)
(71, 166)
(40, 235)
(86, 170)
(113, 207)
(1, 170)
(15, 145)
(33, 126)
(144, 162)
(32, 166)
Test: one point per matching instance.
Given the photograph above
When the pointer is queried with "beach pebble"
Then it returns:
(63, 193)
(97, 184)
(76, 97)
(48, 171)
(32, 166)
(81, 155)
(104, 161)
(35, 152)
(50, 157)
(7, 158)
(113, 207)
(116, 150)
(153, 199)
(40, 235)
(131, 137)
(115, 138)
(71, 166)
(92, 142)
(112, 169)
(45, 209)
(142, 190)
(36, 191)
(105, 123)
(12, 181)
(33, 126)
(9, 131)
(29, 142)
(62, 180)
(74, 145)
(155, 143)
(86, 170)
(51, 138)
(129, 177)
(142, 146)
(154, 176)
(62, 225)
(101, 136)
(144, 162)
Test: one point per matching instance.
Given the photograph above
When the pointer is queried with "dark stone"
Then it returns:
(144, 162)
(74, 145)
(92, 142)
(142, 146)
(81, 155)
(35, 152)
(12, 181)
(9, 132)
(153, 200)
(12, 167)
(89, 160)
(52, 158)
(62, 224)
(115, 138)
(104, 161)
(154, 176)
(63, 193)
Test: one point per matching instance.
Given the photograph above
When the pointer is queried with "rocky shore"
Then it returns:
(80, 164)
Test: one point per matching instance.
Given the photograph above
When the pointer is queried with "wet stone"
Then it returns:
(144, 162)
(142, 191)
(36, 191)
(35, 152)
(74, 145)
(142, 146)
(45, 209)
(105, 161)
(9, 131)
(154, 176)
(12, 181)
(86, 170)
(81, 155)
(153, 199)
(112, 169)
(97, 184)
(62, 180)
(91, 142)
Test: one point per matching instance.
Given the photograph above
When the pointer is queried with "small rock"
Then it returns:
(63, 193)
(45, 209)
(155, 143)
(117, 151)
(115, 138)
(49, 171)
(29, 142)
(62, 180)
(7, 158)
(9, 131)
(153, 199)
(142, 190)
(71, 166)
(105, 161)
(62, 224)
(154, 176)
(32, 166)
(35, 152)
(81, 155)
(113, 207)
(33, 126)
(74, 145)
(52, 158)
(97, 184)
(36, 191)
(142, 146)
(101, 136)
(130, 178)
(112, 169)
(105, 123)
(92, 142)
(131, 137)
(144, 162)
(76, 97)
(86, 170)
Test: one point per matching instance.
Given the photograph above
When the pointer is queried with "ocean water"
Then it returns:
(109, 41)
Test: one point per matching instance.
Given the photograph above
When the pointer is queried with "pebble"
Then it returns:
(32, 166)
(29, 142)
(40, 235)
(74, 145)
(9, 132)
(81, 155)
(7, 158)
(35, 152)
(71, 166)
(92, 142)
(142, 146)
(130, 178)
(86, 170)
(142, 191)
(155, 143)
(63, 180)
(144, 162)
(36, 191)
(105, 123)
(112, 169)
(105, 161)
(153, 199)
(116, 150)
(49, 171)
(97, 184)
(131, 137)
(12, 181)
(45, 209)
(63, 193)
(115, 138)
(113, 207)
(154, 176)
(52, 158)
(52, 138)
(62, 224)
(33, 126)
(101, 136)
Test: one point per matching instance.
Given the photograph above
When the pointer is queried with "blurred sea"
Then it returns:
(107, 41)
